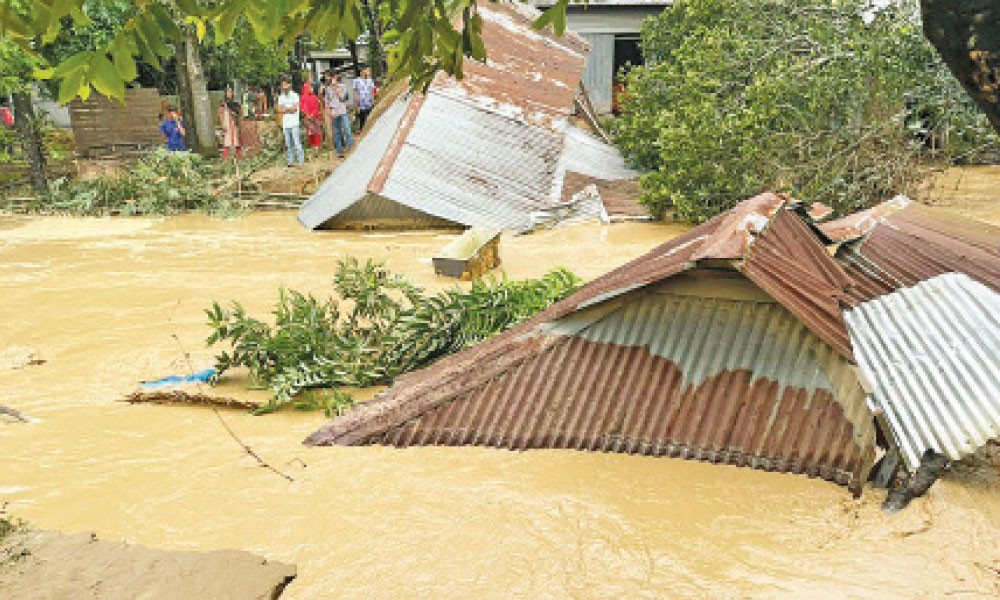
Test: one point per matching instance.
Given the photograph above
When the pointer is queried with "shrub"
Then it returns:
(161, 182)
(832, 101)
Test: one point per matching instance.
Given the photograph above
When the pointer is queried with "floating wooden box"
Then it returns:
(470, 255)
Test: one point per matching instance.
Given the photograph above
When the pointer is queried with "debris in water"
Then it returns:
(19, 357)
(10, 412)
(470, 255)
(201, 376)
(180, 397)
(931, 466)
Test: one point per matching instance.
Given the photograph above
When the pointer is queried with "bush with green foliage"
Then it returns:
(379, 326)
(831, 101)
(161, 182)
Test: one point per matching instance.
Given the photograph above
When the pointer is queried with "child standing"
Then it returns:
(172, 128)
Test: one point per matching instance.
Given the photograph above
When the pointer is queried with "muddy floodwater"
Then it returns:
(100, 301)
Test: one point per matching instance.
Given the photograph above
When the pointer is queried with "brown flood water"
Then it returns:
(100, 300)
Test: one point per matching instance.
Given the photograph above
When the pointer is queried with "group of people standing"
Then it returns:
(323, 112)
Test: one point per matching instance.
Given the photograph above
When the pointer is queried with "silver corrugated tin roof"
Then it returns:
(470, 165)
(587, 155)
(355, 173)
(483, 151)
(932, 354)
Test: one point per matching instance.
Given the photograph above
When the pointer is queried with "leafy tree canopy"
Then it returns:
(426, 35)
(831, 101)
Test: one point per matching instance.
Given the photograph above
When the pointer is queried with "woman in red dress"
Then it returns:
(309, 105)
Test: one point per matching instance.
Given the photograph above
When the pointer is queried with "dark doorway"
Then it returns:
(627, 52)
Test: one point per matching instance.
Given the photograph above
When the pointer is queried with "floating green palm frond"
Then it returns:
(377, 326)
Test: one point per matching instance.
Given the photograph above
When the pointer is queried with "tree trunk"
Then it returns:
(375, 58)
(966, 33)
(196, 105)
(352, 47)
(29, 131)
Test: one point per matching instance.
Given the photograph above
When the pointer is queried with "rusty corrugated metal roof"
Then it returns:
(729, 381)
(857, 224)
(759, 379)
(899, 244)
(820, 212)
(787, 261)
(483, 151)
(932, 354)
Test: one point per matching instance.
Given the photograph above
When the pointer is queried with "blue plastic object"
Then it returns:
(175, 379)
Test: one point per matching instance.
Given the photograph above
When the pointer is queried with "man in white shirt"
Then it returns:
(288, 107)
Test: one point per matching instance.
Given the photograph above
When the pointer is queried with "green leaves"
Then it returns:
(737, 97)
(555, 15)
(379, 326)
(122, 51)
(423, 37)
(69, 87)
(105, 78)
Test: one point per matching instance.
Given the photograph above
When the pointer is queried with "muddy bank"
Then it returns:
(101, 299)
(45, 565)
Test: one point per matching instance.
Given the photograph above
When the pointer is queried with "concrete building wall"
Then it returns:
(598, 71)
(599, 25)
(608, 19)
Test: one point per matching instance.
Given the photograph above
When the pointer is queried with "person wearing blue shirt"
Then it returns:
(172, 128)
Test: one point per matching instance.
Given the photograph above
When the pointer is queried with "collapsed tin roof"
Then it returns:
(728, 343)
(724, 344)
(486, 150)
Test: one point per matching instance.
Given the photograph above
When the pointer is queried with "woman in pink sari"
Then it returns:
(309, 105)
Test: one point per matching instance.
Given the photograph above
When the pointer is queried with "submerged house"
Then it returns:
(745, 341)
(484, 151)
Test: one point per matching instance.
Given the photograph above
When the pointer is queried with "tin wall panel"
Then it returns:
(932, 353)
(599, 70)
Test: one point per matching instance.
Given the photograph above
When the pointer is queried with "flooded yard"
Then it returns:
(101, 301)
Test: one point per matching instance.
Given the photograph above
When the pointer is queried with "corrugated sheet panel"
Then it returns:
(608, 19)
(531, 75)
(787, 261)
(472, 166)
(721, 380)
(912, 244)
(932, 353)
(859, 223)
(587, 155)
(349, 181)
(620, 196)
(378, 212)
